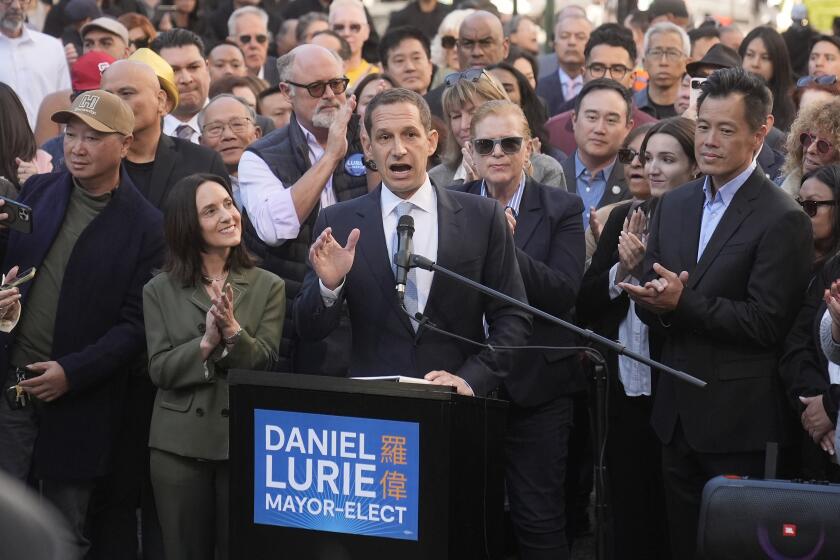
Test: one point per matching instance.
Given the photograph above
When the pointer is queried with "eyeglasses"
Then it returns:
(486, 146)
(261, 38)
(473, 75)
(140, 43)
(598, 70)
(237, 125)
(669, 54)
(353, 27)
(317, 89)
(808, 138)
(448, 42)
(627, 155)
(811, 206)
(826, 80)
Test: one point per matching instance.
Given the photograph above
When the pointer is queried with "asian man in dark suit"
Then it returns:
(727, 263)
(548, 235)
(462, 232)
(601, 121)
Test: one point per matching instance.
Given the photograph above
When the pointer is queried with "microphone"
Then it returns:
(402, 258)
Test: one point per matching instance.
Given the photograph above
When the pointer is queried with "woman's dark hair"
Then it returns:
(637, 131)
(829, 175)
(531, 105)
(515, 53)
(17, 138)
(781, 85)
(679, 128)
(184, 242)
(363, 83)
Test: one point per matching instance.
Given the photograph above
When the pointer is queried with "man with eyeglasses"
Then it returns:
(248, 28)
(287, 177)
(571, 34)
(610, 52)
(33, 63)
(666, 47)
(481, 42)
(228, 126)
(183, 50)
(348, 19)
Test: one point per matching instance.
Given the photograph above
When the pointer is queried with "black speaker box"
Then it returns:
(742, 518)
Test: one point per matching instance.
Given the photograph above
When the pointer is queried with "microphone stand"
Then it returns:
(420, 261)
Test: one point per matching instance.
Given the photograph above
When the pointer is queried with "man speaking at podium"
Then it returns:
(461, 232)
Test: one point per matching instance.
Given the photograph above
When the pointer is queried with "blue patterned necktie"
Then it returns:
(410, 298)
(184, 132)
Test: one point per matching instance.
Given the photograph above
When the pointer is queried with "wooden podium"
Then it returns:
(331, 468)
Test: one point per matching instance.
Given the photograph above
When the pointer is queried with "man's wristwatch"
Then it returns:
(231, 340)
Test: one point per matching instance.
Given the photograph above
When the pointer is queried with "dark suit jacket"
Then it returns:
(732, 317)
(550, 251)
(98, 323)
(616, 179)
(175, 159)
(270, 73)
(434, 97)
(550, 88)
(473, 240)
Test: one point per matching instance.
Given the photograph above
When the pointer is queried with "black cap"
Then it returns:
(676, 8)
(719, 56)
(78, 10)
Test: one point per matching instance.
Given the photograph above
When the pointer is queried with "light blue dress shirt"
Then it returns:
(714, 207)
(590, 188)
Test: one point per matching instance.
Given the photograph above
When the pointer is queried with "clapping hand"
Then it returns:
(632, 242)
(595, 225)
(330, 260)
(511, 220)
(832, 302)
(660, 295)
(337, 135)
(222, 310)
(469, 164)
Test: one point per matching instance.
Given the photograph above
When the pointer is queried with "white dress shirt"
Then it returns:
(171, 124)
(33, 65)
(269, 202)
(425, 239)
(632, 333)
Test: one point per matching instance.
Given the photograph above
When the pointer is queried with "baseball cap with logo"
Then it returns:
(86, 72)
(106, 24)
(162, 69)
(101, 111)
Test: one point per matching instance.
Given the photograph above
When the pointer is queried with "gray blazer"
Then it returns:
(190, 416)
(546, 170)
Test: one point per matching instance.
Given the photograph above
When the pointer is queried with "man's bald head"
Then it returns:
(311, 64)
(137, 84)
(481, 41)
(297, 64)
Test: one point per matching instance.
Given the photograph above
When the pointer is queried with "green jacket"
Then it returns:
(190, 416)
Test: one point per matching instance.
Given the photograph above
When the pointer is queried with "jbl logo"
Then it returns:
(88, 101)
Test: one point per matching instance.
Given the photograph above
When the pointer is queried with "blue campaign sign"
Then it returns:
(336, 473)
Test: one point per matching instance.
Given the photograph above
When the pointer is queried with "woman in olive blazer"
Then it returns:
(210, 310)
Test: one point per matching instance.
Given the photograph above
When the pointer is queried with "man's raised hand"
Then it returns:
(330, 260)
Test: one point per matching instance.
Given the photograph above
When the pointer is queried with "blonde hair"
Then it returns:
(336, 4)
(498, 108)
(449, 26)
(823, 119)
(484, 88)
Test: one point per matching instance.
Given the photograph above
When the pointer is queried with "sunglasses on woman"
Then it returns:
(808, 138)
(811, 206)
(825, 80)
(627, 155)
(510, 145)
(141, 43)
(448, 42)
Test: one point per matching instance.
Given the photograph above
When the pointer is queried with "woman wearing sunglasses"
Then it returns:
(813, 142)
(634, 478)
(807, 375)
(464, 93)
(141, 32)
(546, 225)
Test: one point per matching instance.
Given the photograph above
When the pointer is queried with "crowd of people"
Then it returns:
(217, 185)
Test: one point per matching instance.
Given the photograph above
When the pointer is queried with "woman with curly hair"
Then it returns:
(814, 141)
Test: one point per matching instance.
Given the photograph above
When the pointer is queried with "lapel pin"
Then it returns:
(616, 189)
